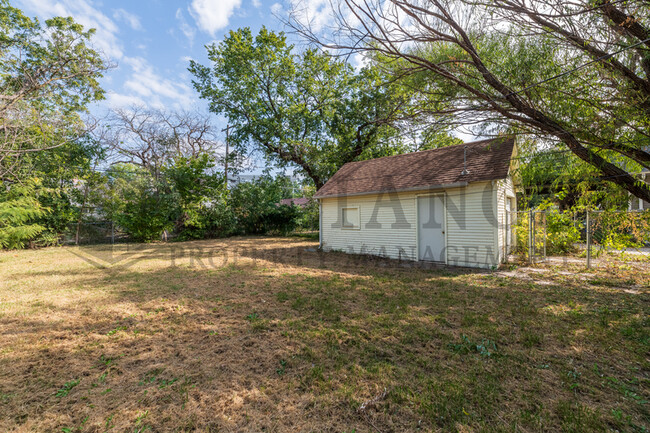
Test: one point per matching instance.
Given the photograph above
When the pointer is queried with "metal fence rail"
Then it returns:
(583, 236)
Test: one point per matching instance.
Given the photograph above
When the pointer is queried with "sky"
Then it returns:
(151, 42)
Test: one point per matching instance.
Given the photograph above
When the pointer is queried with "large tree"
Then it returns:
(48, 76)
(154, 139)
(309, 109)
(574, 74)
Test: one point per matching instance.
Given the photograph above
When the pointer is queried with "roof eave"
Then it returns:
(412, 189)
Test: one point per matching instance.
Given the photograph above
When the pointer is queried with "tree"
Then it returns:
(307, 109)
(196, 188)
(136, 201)
(152, 139)
(48, 76)
(573, 74)
(18, 211)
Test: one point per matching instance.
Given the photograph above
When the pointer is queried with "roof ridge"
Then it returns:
(431, 150)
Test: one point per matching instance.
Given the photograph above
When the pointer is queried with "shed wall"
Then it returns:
(388, 225)
(505, 190)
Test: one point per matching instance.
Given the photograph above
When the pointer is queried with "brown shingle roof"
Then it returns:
(301, 201)
(486, 160)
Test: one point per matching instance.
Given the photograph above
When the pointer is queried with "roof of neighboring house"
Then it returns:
(486, 160)
(301, 201)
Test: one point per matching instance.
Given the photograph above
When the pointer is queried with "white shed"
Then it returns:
(447, 205)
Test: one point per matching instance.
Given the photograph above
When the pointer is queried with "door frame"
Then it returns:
(443, 195)
(508, 227)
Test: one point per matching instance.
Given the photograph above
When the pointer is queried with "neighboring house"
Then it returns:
(301, 201)
(637, 203)
(428, 206)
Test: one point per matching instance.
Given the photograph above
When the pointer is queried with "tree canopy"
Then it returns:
(48, 76)
(574, 75)
(309, 109)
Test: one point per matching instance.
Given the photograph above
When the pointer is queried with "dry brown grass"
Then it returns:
(266, 334)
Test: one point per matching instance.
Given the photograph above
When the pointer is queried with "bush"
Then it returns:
(19, 208)
(562, 232)
(621, 229)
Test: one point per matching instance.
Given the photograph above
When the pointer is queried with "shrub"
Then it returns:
(19, 207)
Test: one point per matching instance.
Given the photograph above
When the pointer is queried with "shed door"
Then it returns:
(508, 224)
(431, 228)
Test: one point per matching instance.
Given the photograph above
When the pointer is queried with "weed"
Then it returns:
(485, 348)
(163, 383)
(139, 426)
(67, 387)
(116, 330)
(108, 424)
(282, 370)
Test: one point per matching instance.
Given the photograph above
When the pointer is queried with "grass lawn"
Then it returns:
(268, 335)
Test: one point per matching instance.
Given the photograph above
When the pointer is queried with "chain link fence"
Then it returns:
(584, 236)
(101, 232)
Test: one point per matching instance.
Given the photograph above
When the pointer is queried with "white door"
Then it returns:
(431, 228)
(508, 226)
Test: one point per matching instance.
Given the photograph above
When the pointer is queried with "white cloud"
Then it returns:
(257, 3)
(317, 13)
(213, 15)
(83, 11)
(117, 100)
(276, 8)
(359, 61)
(153, 89)
(127, 17)
(185, 27)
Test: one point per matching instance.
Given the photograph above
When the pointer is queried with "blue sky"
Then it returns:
(152, 41)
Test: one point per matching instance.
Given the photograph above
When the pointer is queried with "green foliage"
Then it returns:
(48, 75)
(137, 202)
(563, 230)
(486, 348)
(621, 229)
(19, 208)
(310, 214)
(67, 387)
(564, 179)
(195, 188)
(256, 210)
(191, 200)
(308, 109)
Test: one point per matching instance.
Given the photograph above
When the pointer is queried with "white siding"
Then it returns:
(471, 225)
(388, 239)
(505, 190)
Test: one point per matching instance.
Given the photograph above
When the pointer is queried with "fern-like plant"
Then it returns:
(18, 208)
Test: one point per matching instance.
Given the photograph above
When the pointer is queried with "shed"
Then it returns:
(450, 205)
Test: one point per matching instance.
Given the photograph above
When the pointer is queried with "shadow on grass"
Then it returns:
(280, 336)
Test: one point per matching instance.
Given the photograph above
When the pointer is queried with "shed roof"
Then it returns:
(486, 160)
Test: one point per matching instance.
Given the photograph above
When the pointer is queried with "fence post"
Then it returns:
(530, 236)
(545, 233)
(588, 242)
(112, 233)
